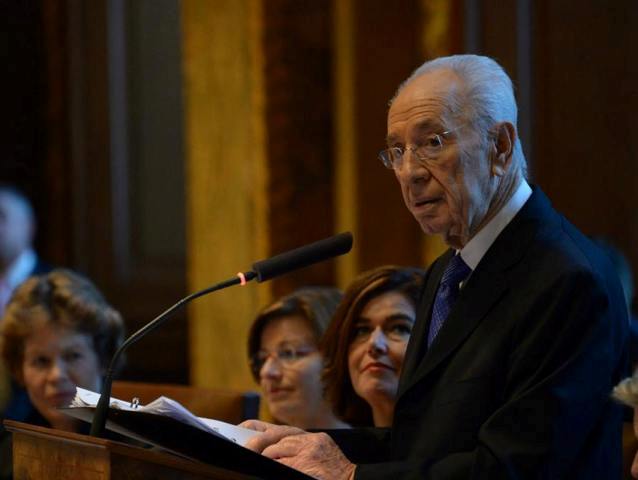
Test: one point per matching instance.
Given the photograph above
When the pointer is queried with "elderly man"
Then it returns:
(521, 327)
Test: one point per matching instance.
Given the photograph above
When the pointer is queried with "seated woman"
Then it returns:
(626, 392)
(57, 333)
(365, 344)
(285, 361)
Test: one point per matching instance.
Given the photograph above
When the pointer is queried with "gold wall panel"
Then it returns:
(226, 179)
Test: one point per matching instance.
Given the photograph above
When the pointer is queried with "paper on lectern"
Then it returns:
(169, 408)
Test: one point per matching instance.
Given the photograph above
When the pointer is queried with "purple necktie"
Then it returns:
(455, 272)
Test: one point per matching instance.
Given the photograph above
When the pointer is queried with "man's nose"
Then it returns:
(413, 169)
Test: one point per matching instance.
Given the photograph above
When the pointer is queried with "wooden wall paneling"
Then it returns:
(345, 135)
(498, 33)
(150, 238)
(586, 123)
(102, 207)
(297, 56)
(23, 98)
(119, 126)
(444, 28)
(226, 178)
(525, 36)
(386, 50)
(88, 178)
(35, 137)
(55, 227)
(504, 31)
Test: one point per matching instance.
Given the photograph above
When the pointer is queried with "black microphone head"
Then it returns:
(303, 256)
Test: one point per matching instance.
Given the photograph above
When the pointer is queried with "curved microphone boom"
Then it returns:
(262, 271)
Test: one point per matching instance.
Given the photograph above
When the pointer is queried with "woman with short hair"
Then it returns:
(285, 359)
(58, 333)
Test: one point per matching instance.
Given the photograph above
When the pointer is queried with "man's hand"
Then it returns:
(271, 434)
(315, 454)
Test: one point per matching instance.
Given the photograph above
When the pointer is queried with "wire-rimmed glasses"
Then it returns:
(428, 151)
(287, 356)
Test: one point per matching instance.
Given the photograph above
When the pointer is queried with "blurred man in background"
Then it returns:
(18, 260)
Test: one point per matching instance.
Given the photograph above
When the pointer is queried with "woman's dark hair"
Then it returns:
(64, 299)
(315, 304)
(335, 343)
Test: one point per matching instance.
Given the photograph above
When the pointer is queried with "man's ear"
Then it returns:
(502, 148)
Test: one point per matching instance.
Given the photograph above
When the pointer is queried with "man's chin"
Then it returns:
(453, 237)
(431, 227)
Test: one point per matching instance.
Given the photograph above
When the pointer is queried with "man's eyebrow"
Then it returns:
(428, 126)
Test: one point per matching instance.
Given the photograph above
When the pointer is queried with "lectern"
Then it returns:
(47, 454)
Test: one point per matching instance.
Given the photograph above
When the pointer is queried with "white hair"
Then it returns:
(486, 94)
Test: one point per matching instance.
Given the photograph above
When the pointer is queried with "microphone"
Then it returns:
(303, 256)
(262, 271)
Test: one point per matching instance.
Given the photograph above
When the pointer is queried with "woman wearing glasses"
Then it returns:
(365, 344)
(285, 361)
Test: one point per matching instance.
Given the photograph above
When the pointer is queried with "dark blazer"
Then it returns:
(516, 385)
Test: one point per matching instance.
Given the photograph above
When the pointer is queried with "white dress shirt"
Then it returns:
(473, 251)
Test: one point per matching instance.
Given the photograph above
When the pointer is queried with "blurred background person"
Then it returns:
(285, 360)
(623, 269)
(58, 333)
(365, 344)
(627, 393)
(18, 261)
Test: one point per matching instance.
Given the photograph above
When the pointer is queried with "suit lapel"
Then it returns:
(485, 287)
(472, 306)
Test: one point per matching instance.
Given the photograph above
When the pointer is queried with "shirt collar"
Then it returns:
(21, 268)
(473, 251)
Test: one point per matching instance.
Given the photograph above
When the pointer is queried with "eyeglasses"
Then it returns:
(286, 356)
(428, 151)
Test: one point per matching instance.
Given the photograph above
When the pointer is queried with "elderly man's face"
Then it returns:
(16, 227)
(448, 197)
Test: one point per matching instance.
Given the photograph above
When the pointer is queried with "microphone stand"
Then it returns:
(101, 410)
(262, 271)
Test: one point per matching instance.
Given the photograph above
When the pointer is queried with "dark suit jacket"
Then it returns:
(516, 385)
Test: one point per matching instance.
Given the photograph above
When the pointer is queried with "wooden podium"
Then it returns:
(44, 453)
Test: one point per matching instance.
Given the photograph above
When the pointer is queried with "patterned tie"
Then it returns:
(455, 272)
